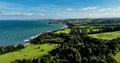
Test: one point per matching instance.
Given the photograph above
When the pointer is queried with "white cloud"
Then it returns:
(42, 15)
(115, 9)
(3, 4)
(9, 13)
(112, 14)
(9, 10)
(105, 9)
(69, 9)
(89, 8)
(17, 14)
(102, 15)
(28, 14)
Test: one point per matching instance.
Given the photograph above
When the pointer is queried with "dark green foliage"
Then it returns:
(109, 59)
(7, 49)
(78, 47)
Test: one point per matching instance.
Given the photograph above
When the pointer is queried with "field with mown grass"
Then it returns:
(31, 51)
(66, 31)
(117, 57)
(107, 35)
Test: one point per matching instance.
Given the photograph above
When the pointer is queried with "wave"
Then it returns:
(32, 37)
(65, 26)
(27, 41)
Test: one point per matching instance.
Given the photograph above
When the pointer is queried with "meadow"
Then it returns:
(107, 35)
(117, 57)
(66, 31)
(31, 51)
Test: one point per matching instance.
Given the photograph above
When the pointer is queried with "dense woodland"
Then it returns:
(10, 48)
(77, 46)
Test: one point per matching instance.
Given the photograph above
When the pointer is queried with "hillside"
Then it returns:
(31, 51)
(83, 41)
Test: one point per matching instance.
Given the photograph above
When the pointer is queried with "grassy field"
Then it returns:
(90, 28)
(29, 52)
(66, 30)
(107, 35)
(94, 28)
(117, 57)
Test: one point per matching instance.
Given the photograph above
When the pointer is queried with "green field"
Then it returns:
(89, 28)
(31, 51)
(117, 57)
(107, 35)
(66, 30)
(95, 28)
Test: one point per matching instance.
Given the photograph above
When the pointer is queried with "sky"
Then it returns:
(58, 9)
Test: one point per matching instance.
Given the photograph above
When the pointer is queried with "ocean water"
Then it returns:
(13, 32)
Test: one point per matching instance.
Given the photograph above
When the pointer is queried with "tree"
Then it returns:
(110, 59)
(84, 60)
(93, 59)
(73, 55)
(20, 46)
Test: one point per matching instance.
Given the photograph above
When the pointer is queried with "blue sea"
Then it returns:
(13, 32)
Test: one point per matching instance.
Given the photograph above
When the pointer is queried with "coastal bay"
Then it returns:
(13, 32)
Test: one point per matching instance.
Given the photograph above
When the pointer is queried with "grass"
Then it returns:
(117, 57)
(107, 35)
(90, 28)
(94, 28)
(31, 51)
(66, 31)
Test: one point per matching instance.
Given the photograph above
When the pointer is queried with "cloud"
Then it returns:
(114, 9)
(0, 11)
(69, 9)
(3, 4)
(17, 14)
(106, 9)
(112, 14)
(22, 14)
(102, 15)
(42, 15)
(9, 10)
(89, 8)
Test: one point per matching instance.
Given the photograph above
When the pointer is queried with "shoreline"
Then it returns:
(27, 41)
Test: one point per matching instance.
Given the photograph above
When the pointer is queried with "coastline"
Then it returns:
(27, 41)
(65, 26)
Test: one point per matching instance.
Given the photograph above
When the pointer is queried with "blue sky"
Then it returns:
(57, 9)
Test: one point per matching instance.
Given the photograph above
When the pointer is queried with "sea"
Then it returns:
(13, 32)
